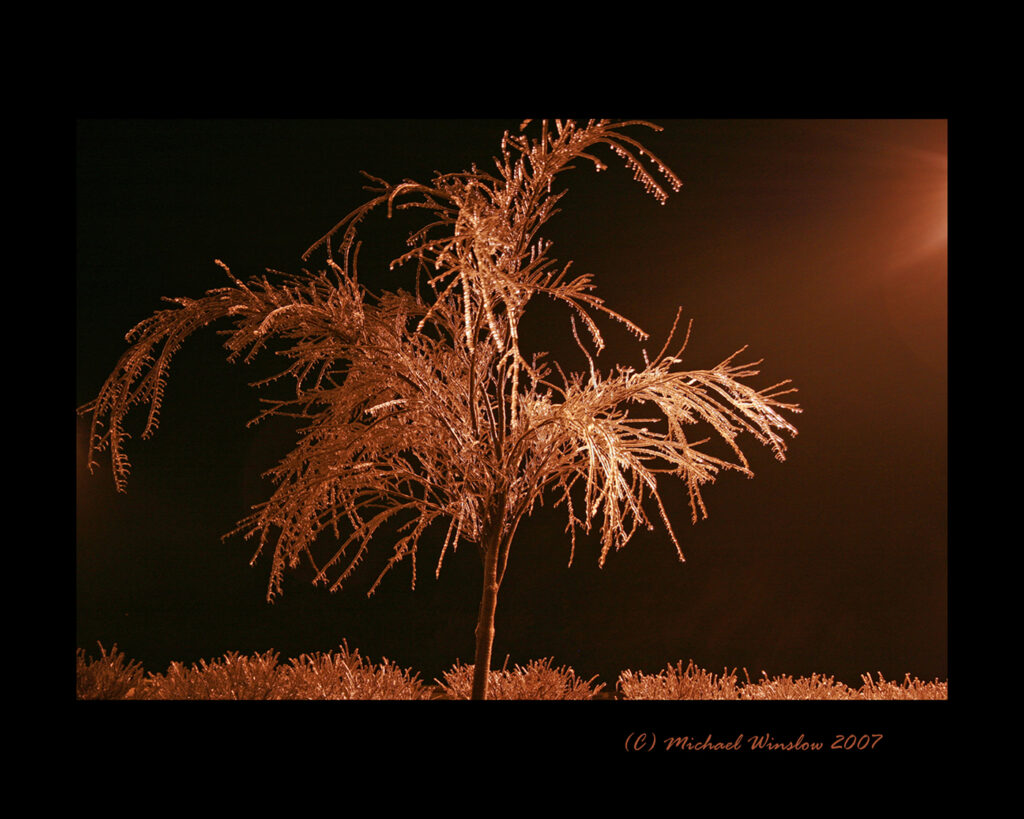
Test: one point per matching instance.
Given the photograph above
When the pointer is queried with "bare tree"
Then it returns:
(422, 413)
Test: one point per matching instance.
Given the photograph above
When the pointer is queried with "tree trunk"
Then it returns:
(485, 622)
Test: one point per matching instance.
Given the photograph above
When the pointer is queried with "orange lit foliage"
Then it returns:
(422, 410)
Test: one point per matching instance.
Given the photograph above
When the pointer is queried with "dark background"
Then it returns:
(818, 243)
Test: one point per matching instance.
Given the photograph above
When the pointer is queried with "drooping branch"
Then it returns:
(592, 439)
(320, 317)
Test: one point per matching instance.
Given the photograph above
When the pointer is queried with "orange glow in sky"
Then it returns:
(925, 229)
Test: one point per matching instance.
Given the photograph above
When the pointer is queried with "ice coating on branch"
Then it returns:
(421, 417)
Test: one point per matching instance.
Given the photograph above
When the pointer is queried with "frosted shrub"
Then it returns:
(784, 687)
(536, 681)
(235, 677)
(910, 689)
(345, 675)
(677, 683)
(109, 677)
(694, 683)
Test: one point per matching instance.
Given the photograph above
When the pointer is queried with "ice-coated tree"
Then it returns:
(423, 418)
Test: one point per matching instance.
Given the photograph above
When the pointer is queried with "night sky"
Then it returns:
(820, 244)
